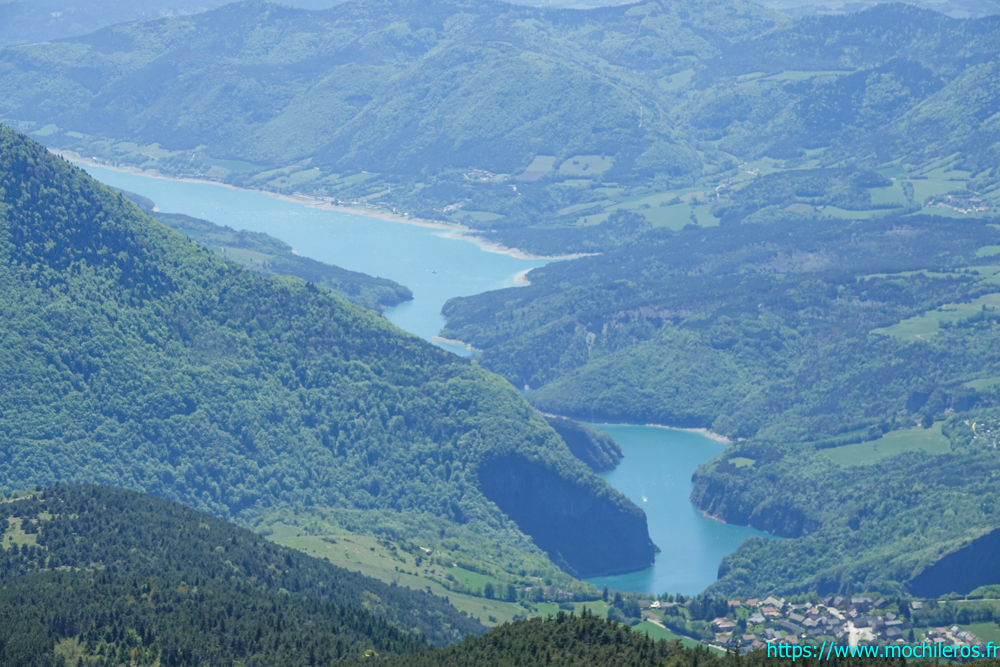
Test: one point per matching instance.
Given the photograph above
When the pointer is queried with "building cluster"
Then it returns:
(854, 621)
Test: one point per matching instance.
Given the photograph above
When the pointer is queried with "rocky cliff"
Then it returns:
(587, 527)
(592, 446)
(974, 565)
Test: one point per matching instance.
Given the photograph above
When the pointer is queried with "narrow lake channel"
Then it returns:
(656, 471)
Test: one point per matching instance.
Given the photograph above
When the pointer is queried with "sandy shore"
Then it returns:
(522, 278)
(457, 343)
(455, 230)
(711, 435)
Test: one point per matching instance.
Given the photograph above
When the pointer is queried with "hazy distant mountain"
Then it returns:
(29, 21)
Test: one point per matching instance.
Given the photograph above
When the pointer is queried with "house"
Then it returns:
(734, 603)
(756, 618)
(753, 602)
(837, 601)
(770, 611)
(747, 639)
(790, 627)
(771, 602)
(796, 618)
(916, 605)
(862, 604)
(723, 625)
(879, 603)
(893, 633)
(655, 604)
(644, 604)
(772, 634)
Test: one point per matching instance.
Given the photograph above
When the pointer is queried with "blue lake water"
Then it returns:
(655, 474)
(434, 266)
(656, 471)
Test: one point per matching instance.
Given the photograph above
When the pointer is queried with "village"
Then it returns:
(753, 624)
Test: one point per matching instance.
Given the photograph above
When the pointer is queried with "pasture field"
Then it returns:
(541, 163)
(674, 217)
(925, 325)
(586, 206)
(585, 165)
(370, 557)
(655, 632)
(15, 537)
(928, 440)
(982, 383)
(480, 216)
(988, 632)
(892, 194)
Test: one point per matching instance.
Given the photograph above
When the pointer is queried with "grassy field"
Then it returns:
(892, 195)
(585, 165)
(15, 537)
(927, 324)
(988, 632)
(541, 163)
(370, 556)
(982, 383)
(928, 440)
(656, 632)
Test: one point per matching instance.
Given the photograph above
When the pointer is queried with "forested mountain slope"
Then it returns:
(578, 641)
(366, 85)
(87, 571)
(822, 342)
(529, 125)
(136, 358)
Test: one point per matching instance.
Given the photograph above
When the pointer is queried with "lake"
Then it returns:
(656, 470)
(433, 265)
(655, 474)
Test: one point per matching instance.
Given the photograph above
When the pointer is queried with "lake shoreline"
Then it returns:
(711, 435)
(453, 230)
(455, 342)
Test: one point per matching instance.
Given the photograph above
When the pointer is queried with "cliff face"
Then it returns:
(977, 564)
(587, 527)
(721, 497)
(595, 448)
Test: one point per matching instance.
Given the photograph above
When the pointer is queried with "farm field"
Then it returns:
(370, 556)
(928, 324)
(928, 440)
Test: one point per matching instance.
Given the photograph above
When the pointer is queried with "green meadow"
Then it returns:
(929, 440)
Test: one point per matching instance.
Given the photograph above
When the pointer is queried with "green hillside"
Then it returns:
(531, 125)
(409, 106)
(822, 342)
(137, 358)
(95, 575)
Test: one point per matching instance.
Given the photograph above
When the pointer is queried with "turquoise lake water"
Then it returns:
(655, 474)
(656, 471)
(435, 267)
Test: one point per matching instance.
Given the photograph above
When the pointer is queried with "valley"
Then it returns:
(413, 322)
